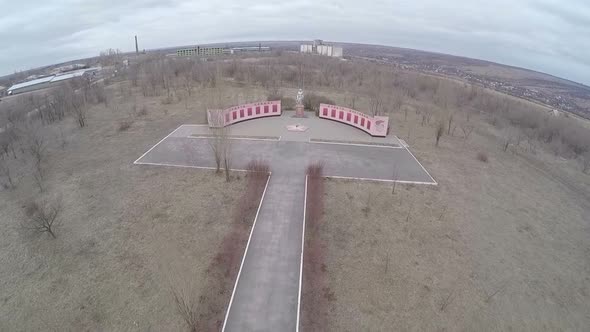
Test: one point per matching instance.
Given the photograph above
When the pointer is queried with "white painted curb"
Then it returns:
(378, 180)
(238, 138)
(301, 263)
(410, 152)
(357, 144)
(188, 166)
(162, 140)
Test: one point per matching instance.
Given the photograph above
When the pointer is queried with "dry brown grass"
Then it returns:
(489, 248)
(469, 254)
(223, 269)
(122, 226)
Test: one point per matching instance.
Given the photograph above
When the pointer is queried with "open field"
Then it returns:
(128, 234)
(498, 245)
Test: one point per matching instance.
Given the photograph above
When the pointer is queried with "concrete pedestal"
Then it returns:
(299, 111)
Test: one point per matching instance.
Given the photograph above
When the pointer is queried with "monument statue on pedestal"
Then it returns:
(300, 97)
(299, 109)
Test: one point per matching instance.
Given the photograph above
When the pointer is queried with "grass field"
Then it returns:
(497, 245)
(128, 233)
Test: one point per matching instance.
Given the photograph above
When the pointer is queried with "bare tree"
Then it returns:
(450, 122)
(5, 171)
(395, 177)
(507, 140)
(467, 129)
(399, 98)
(217, 143)
(405, 109)
(226, 149)
(368, 203)
(43, 217)
(426, 113)
(36, 147)
(7, 140)
(109, 57)
(78, 106)
(586, 162)
(376, 94)
(439, 130)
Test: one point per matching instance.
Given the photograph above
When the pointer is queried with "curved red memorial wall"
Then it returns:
(235, 114)
(372, 125)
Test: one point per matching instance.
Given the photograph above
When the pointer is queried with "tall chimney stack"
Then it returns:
(136, 47)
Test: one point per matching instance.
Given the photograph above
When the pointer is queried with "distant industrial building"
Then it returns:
(67, 68)
(249, 49)
(36, 84)
(202, 51)
(318, 47)
(213, 51)
(52, 80)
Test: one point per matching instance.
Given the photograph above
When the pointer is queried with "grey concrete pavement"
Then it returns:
(372, 162)
(266, 293)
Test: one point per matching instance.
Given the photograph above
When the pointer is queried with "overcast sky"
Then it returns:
(551, 36)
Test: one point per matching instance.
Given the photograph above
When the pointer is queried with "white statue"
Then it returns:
(300, 96)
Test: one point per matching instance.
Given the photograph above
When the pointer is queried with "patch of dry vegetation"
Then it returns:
(315, 291)
(471, 253)
(120, 228)
(207, 313)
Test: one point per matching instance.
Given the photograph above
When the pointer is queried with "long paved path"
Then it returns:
(266, 295)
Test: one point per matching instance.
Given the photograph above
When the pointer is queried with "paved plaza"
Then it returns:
(266, 293)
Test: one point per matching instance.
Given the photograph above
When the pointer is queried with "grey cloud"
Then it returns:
(545, 35)
(576, 13)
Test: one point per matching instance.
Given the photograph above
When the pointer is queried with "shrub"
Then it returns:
(186, 305)
(274, 94)
(438, 132)
(315, 292)
(482, 156)
(288, 103)
(124, 125)
(143, 111)
(312, 102)
(257, 175)
(167, 100)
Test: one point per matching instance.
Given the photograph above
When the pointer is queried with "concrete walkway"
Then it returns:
(266, 295)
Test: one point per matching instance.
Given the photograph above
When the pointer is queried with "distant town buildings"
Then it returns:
(318, 47)
(561, 102)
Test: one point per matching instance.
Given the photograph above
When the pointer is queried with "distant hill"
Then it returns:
(555, 92)
(558, 93)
